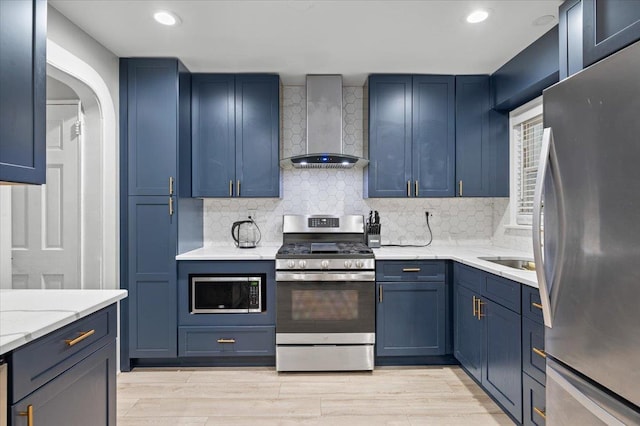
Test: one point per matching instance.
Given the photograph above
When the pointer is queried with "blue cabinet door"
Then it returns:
(389, 171)
(411, 319)
(213, 135)
(433, 136)
(152, 125)
(83, 395)
(257, 102)
(152, 278)
(23, 33)
(502, 366)
(570, 35)
(608, 26)
(467, 331)
(475, 154)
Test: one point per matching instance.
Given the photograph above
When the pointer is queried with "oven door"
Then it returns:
(219, 295)
(328, 308)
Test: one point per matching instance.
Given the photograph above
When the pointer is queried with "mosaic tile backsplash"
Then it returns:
(321, 191)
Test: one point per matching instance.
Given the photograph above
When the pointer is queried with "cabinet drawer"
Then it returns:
(226, 341)
(410, 271)
(531, 307)
(502, 291)
(534, 404)
(42, 360)
(468, 277)
(533, 356)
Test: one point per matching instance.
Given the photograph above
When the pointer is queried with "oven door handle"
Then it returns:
(325, 276)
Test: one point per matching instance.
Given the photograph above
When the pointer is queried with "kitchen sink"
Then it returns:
(513, 262)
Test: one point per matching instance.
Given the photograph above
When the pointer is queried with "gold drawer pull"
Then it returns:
(540, 412)
(410, 269)
(226, 340)
(475, 299)
(28, 414)
(536, 305)
(539, 352)
(80, 338)
(480, 303)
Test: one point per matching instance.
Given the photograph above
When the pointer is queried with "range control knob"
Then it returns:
(324, 264)
(348, 264)
(359, 264)
(291, 264)
(302, 264)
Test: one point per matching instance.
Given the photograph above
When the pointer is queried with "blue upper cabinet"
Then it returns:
(480, 167)
(152, 131)
(390, 106)
(434, 136)
(235, 135)
(23, 33)
(213, 135)
(570, 37)
(257, 136)
(411, 136)
(608, 26)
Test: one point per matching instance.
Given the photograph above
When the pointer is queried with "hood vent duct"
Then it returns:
(324, 148)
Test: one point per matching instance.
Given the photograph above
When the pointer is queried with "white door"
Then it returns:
(46, 219)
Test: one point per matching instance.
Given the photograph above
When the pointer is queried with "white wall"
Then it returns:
(69, 36)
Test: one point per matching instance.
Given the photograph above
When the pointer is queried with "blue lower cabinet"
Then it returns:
(534, 361)
(83, 395)
(411, 319)
(534, 402)
(227, 341)
(153, 295)
(467, 331)
(502, 369)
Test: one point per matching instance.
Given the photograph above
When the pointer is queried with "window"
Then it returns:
(526, 139)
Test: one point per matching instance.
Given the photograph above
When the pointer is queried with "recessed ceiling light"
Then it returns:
(544, 20)
(477, 16)
(166, 18)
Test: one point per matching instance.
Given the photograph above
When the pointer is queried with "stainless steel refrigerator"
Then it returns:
(588, 197)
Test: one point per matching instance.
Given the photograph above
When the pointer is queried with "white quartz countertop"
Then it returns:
(469, 254)
(26, 315)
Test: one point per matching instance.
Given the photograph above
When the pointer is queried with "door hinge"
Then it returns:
(78, 128)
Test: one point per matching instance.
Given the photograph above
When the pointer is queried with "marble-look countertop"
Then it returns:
(469, 254)
(26, 315)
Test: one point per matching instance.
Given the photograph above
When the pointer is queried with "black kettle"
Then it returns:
(245, 233)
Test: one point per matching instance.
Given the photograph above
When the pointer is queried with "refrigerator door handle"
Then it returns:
(547, 140)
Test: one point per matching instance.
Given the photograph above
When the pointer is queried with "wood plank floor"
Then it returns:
(261, 396)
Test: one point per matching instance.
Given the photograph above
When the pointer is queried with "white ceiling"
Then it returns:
(298, 37)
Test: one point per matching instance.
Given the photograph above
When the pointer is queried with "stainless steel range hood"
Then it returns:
(324, 128)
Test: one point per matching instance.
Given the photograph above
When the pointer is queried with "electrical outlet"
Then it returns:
(252, 213)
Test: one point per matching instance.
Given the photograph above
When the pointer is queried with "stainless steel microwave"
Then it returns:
(227, 294)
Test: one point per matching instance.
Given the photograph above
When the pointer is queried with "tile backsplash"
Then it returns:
(331, 191)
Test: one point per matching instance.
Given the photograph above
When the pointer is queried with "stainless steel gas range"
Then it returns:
(325, 287)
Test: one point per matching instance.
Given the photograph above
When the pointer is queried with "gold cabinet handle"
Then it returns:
(479, 309)
(410, 269)
(226, 340)
(170, 206)
(539, 352)
(170, 185)
(28, 414)
(380, 294)
(460, 188)
(474, 306)
(536, 305)
(238, 189)
(408, 188)
(230, 188)
(540, 412)
(80, 338)
(415, 189)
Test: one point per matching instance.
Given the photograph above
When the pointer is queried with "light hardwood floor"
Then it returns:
(261, 396)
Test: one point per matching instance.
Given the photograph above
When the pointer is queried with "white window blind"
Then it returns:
(528, 135)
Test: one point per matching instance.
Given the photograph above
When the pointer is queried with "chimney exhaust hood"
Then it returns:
(324, 148)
